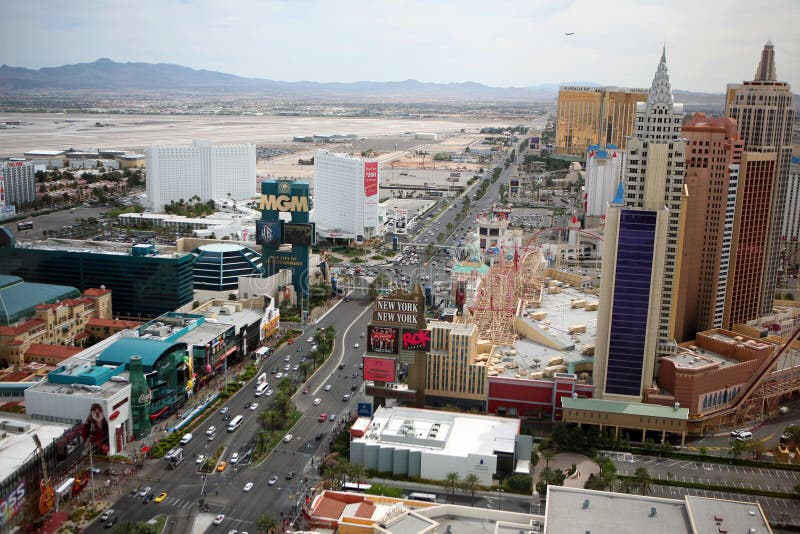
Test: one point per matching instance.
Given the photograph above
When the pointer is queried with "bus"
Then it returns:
(262, 379)
(424, 497)
(235, 423)
(359, 488)
(261, 388)
(25, 225)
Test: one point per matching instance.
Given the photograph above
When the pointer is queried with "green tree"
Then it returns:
(793, 433)
(470, 485)
(643, 480)
(547, 454)
(387, 491)
(451, 483)
(737, 449)
(358, 472)
(267, 524)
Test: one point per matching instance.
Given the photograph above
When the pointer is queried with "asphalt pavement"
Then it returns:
(223, 492)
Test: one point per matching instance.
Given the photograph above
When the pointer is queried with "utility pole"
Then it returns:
(91, 475)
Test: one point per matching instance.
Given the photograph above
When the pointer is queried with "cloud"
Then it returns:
(513, 43)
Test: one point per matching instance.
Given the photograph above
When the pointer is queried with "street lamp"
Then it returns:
(499, 497)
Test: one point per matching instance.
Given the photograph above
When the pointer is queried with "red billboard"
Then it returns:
(383, 339)
(380, 369)
(370, 178)
(416, 340)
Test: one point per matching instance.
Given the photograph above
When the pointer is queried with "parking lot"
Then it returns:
(759, 478)
(777, 510)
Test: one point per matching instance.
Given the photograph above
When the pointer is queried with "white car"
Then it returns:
(200, 459)
(269, 392)
(248, 486)
(272, 481)
(310, 340)
(254, 406)
(234, 457)
(279, 375)
(317, 401)
(355, 346)
(211, 430)
(287, 358)
(328, 387)
(287, 438)
(219, 519)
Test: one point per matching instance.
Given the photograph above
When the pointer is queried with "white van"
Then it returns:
(745, 436)
(186, 438)
(261, 389)
(235, 423)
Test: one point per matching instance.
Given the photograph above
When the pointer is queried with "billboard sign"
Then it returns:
(298, 234)
(370, 178)
(380, 369)
(364, 409)
(11, 504)
(383, 339)
(535, 143)
(397, 311)
(416, 340)
(401, 221)
(268, 233)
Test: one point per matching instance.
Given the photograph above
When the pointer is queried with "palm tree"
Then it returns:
(642, 479)
(451, 482)
(547, 454)
(329, 477)
(357, 472)
(342, 471)
(471, 484)
(267, 524)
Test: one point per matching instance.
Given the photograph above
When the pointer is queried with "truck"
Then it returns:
(176, 459)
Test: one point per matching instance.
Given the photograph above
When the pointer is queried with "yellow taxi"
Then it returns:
(221, 466)
(161, 497)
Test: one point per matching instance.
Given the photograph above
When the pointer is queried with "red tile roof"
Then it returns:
(329, 508)
(17, 329)
(96, 292)
(365, 509)
(52, 351)
(16, 376)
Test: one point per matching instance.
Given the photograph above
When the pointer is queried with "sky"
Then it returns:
(500, 43)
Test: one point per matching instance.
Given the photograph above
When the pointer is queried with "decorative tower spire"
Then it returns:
(766, 65)
(660, 91)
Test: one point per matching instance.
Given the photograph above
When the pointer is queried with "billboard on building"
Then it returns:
(401, 221)
(380, 369)
(370, 194)
(95, 429)
(416, 340)
(298, 234)
(383, 339)
(268, 233)
(535, 143)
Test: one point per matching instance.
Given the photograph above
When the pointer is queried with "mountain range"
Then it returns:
(107, 75)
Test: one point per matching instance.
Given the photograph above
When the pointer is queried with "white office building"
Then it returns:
(603, 174)
(345, 196)
(203, 169)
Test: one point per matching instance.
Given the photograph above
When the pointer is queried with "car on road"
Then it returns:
(346, 397)
(248, 486)
(328, 386)
(735, 433)
(224, 410)
(279, 376)
(310, 340)
(211, 430)
(355, 346)
(161, 497)
(355, 374)
(149, 498)
(269, 392)
(108, 513)
(744, 436)
(287, 438)
(287, 367)
(211, 437)
(319, 436)
(274, 370)
(219, 519)
(145, 491)
(354, 387)
(322, 416)
(362, 334)
(295, 367)
(112, 521)
(221, 466)
(288, 357)
(332, 417)
(305, 390)
(272, 481)
(254, 406)
(290, 475)
(299, 349)
(200, 459)
(234, 457)
(317, 401)
(341, 365)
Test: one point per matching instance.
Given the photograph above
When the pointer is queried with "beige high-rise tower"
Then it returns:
(764, 113)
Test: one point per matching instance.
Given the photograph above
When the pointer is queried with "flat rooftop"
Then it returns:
(552, 336)
(203, 333)
(711, 515)
(16, 440)
(451, 434)
(96, 247)
(579, 511)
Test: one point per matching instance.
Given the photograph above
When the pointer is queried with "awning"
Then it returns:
(222, 358)
(66, 485)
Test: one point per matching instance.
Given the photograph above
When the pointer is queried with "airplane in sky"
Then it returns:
(570, 33)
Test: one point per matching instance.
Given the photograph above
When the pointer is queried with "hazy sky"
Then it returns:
(500, 43)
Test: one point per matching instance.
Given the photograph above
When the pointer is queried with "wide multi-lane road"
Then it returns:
(223, 492)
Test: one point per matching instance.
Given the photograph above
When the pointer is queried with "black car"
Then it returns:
(354, 387)
(290, 475)
(112, 521)
(341, 366)
(274, 370)
(150, 497)
(320, 436)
